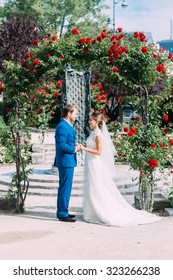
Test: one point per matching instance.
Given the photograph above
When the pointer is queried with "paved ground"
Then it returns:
(38, 235)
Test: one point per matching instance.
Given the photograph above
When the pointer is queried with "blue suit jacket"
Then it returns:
(65, 139)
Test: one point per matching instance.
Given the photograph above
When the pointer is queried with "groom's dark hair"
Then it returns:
(68, 108)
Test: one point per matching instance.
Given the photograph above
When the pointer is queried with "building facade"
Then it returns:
(167, 45)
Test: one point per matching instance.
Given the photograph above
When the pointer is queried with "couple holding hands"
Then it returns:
(103, 203)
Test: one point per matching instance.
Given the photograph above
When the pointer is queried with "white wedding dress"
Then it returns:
(103, 203)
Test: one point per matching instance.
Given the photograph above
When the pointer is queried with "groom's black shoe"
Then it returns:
(67, 219)
(71, 215)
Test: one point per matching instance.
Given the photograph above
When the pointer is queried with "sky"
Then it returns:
(144, 15)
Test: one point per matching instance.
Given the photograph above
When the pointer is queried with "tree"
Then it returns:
(53, 15)
(16, 35)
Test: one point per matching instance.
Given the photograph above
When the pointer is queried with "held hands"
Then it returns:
(82, 147)
(79, 147)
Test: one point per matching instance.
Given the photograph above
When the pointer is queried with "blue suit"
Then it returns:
(65, 160)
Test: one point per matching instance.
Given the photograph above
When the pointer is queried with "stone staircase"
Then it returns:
(43, 187)
(43, 153)
(43, 147)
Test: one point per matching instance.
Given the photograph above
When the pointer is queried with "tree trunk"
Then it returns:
(62, 26)
(17, 178)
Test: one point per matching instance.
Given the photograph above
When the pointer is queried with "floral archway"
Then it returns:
(32, 88)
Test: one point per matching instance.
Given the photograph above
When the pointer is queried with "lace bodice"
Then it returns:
(91, 139)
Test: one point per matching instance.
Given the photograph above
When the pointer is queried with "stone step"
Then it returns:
(53, 185)
(52, 191)
(49, 154)
(49, 149)
(50, 157)
(53, 178)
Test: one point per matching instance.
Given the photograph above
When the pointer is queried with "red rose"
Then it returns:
(7, 109)
(142, 38)
(104, 35)
(61, 57)
(115, 69)
(126, 129)
(152, 163)
(121, 36)
(160, 67)
(119, 29)
(137, 118)
(133, 129)
(48, 55)
(93, 42)
(23, 63)
(36, 42)
(59, 83)
(54, 38)
(82, 41)
(85, 49)
(100, 86)
(144, 50)
(110, 51)
(120, 51)
(136, 34)
(75, 31)
(124, 49)
(56, 94)
(36, 62)
(120, 155)
(153, 145)
(130, 133)
(171, 141)
(1, 87)
(165, 131)
(161, 145)
(116, 56)
(31, 69)
(99, 38)
(165, 117)
(88, 40)
(155, 56)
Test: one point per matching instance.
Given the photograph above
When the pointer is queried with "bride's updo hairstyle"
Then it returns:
(97, 117)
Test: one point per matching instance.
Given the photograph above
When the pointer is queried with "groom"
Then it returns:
(65, 160)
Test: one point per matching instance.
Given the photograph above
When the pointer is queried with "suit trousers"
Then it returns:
(64, 190)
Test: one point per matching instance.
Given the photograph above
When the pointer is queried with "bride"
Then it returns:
(103, 203)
